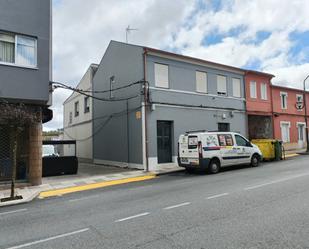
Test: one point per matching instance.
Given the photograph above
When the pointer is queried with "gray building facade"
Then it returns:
(25, 75)
(183, 94)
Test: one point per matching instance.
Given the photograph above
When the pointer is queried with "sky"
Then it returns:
(265, 35)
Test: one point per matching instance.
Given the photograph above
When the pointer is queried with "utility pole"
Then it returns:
(306, 117)
(128, 30)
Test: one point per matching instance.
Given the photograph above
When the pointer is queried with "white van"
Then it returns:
(212, 150)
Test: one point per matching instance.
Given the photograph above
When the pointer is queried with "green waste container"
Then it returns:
(278, 150)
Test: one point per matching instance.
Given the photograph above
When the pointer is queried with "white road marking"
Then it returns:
(276, 181)
(83, 198)
(216, 196)
(178, 205)
(48, 239)
(14, 211)
(132, 217)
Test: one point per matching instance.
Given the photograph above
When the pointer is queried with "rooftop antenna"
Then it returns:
(128, 30)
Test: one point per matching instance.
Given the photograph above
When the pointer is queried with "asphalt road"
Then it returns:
(264, 207)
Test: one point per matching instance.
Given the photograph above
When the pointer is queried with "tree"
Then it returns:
(17, 116)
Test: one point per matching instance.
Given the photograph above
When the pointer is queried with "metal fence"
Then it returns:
(59, 158)
(6, 154)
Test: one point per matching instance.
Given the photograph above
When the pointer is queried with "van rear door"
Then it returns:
(188, 149)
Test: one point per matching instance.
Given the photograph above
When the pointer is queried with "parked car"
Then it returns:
(212, 150)
(49, 151)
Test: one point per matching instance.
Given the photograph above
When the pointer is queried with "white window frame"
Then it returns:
(253, 94)
(222, 91)
(76, 109)
(284, 107)
(70, 117)
(161, 81)
(263, 91)
(301, 97)
(304, 130)
(15, 52)
(86, 104)
(284, 123)
(302, 100)
(202, 76)
(238, 93)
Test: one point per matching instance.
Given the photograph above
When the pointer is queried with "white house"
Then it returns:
(77, 116)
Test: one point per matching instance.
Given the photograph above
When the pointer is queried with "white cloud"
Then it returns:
(292, 76)
(239, 22)
(83, 30)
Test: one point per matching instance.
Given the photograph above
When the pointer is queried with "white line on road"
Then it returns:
(216, 196)
(132, 217)
(83, 198)
(178, 205)
(14, 211)
(276, 181)
(48, 239)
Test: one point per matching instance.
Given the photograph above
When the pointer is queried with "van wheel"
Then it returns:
(214, 166)
(255, 160)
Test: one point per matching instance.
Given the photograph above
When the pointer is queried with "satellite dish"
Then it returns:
(299, 105)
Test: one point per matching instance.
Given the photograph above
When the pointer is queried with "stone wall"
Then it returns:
(35, 154)
(260, 127)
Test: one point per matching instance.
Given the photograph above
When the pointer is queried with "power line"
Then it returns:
(101, 126)
(111, 90)
(61, 85)
(85, 92)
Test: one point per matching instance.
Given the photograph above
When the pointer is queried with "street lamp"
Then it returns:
(306, 121)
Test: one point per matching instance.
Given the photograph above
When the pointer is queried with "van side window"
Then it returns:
(192, 142)
(225, 140)
(240, 141)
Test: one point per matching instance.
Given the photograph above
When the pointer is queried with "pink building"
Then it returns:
(289, 117)
(275, 111)
(259, 104)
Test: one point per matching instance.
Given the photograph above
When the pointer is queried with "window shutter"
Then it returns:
(221, 84)
(263, 91)
(201, 82)
(161, 75)
(253, 89)
(236, 87)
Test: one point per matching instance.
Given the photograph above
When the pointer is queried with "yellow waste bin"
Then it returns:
(267, 147)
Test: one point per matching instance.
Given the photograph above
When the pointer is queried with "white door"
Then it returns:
(285, 132)
(301, 135)
(228, 150)
(244, 150)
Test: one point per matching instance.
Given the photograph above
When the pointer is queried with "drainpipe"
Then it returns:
(128, 135)
(145, 107)
(306, 121)
(272, 107)
(246, 110)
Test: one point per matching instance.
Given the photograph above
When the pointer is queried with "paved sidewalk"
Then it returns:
(293, 153)
(298, 151)
(88, 175)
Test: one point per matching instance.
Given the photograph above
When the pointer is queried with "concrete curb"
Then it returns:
(168, 172)
(91, 186)
(22, 201)
(37, 193)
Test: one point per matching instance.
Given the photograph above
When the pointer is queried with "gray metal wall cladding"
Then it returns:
(190, 117)
(110, 142)
(32, 18)
(186, 119)
(182, 78)
(125, 62)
